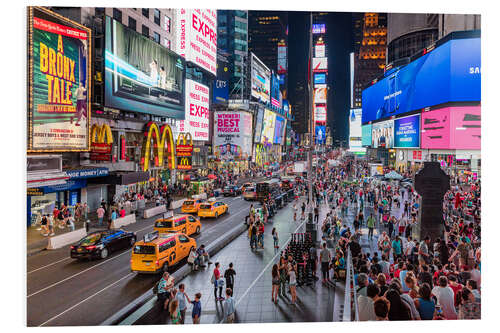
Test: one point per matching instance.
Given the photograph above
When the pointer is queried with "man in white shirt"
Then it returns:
(410, 244)
(366, 309)
(446, 298)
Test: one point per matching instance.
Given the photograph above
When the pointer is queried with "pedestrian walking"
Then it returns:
(100, 215)
(196, 312)
(282, 267)
(370, 223)
(274, 232)
(229, 307)
(229, 276)
(217, 282)
(51, 225)
(275, 284)
(181, 298)
(325, 258)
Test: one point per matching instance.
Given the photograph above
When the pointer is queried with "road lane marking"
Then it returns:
(86, 299)
(278, 253)
(74, 275)
(37, 269)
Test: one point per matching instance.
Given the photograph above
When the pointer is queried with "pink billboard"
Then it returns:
(452, 128)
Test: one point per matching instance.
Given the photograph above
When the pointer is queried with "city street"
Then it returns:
(63, 291)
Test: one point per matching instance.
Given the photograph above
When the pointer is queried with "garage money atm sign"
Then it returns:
(58, 79)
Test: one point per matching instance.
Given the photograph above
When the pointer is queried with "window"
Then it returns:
(117, 14)
(132, 24)
(145, 12)
(99, 11)
(167, 43)
(166, 246)
(183, 239)
(191, 219)
(157, 16)
(180, 222)
(167, 24)
(145, 31)
(156, 37)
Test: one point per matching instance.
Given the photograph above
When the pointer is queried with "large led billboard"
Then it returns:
(457, 127)
(319, 78)
(320, 113)
(320, 95)
(383, 134)
(449, 73)
(319, 50)
(366, 135)
(197, 111)
(258, 125)
(142, 75)
(282, 59)
(221, 83)
(268, 122)
(320, 65)
(319, 134)
(278, 129)
(59, 83)
(197, 37)
(407, 132)
(233, 133)
(260, 80)
(319, 28)
(275, 90)
(355, 133)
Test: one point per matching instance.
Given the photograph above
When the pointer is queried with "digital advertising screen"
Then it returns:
(319, 134)
(452, 128)
(197, 110)
(260, 80)
(383, 134)
(320, 64)
(320, 113)
(141, 75)
(355, 134)
(197, 37)
(320, 95)
(233, 129)
(275, 90)
(319, 28)
(319, 78)
(407, 132)
(278, 129)
(221, 84)
(366, 135)
(268, 127)
(258, 125)
(282, 59)
(59, 83)
(449, 73)
(319, 50)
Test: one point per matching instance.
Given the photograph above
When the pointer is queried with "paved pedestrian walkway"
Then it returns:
(252, 289)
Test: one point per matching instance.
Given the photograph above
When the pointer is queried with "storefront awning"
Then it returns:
(122, 178)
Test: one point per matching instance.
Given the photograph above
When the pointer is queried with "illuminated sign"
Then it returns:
(184, 163)
(268, 123)
(233, 129)
(163, 143)
(197, 37)
(197, 111)
(320, 65)
(186, 148)
(319, 28)
(320, 95)
(101, 141)
(319, 50)
(59, 83)
(320, 113)
(260, 80)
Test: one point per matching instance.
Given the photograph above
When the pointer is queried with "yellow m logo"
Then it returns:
(152, 131)
(98, 133)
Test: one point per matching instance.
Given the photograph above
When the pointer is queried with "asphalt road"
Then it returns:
(64, 292)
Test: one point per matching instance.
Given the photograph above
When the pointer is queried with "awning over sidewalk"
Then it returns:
(122, 178)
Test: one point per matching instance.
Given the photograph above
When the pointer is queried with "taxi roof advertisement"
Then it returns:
(60, 90)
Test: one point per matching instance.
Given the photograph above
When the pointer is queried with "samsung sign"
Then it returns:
(449, 73)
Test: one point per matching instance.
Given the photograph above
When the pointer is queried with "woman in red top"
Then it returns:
(217, 283)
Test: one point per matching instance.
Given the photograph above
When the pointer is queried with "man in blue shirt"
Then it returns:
(202, 255)
(229, 307)
(396, 248)
(181, 297)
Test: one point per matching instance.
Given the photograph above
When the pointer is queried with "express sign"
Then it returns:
(197, 111)
(197, 37)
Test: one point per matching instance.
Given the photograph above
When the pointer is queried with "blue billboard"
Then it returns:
(275, 90)
(278, 129)
(320, 134)
(366, 135)
(407, 132)
(449, 73)
(320, 78)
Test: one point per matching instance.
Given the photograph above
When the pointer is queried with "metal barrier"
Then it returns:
(350, 297)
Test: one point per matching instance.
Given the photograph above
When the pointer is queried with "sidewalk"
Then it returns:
(252, 290)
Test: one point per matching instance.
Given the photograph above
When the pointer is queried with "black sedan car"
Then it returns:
(231, 190)
(100, 244)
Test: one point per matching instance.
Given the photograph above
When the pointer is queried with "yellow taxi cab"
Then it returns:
(191, 205)
(213, 209)
(157, 252)
(185, 223)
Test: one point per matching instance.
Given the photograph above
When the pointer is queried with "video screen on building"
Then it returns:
(366, 135)
(457, 127)
(383, 134)
(278, 129)
(407, 132)
(141, 75)
(258, 125)
(260, 80)
(320, 78)
(449, 73)
(268, 127)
